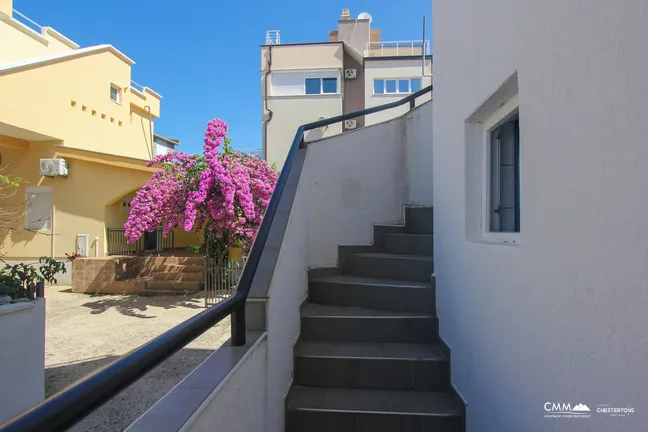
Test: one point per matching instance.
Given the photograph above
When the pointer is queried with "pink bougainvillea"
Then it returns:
(224, 192)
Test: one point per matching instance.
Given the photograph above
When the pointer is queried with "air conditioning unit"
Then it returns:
(350, 73)
(350, 124)
(53, 167)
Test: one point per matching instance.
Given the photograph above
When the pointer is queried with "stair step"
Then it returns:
(405, 243)
(419, 220)
(349, 324)
(174, 286)
(373, 293)
(177, 277)
(388, 366)
(180, 268)
(390, 266)
(316, 409)
(388, 229)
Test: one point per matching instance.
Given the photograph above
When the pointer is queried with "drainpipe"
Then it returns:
(53, 225)
(265, 122)
(148, 108)
(423, 53)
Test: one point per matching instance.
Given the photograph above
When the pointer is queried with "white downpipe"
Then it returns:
(148, 108)
(53, 224)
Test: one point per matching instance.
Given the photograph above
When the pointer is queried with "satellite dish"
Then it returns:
(365, 16)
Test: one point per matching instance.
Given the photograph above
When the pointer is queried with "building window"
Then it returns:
(304, 83)
(504, 187)
(38, 208)
(397, 85)
(115, 93)
(321, 85)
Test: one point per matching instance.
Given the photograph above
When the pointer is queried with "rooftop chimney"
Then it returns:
(346, 15)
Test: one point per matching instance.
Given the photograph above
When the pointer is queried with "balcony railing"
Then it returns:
(24, 19)
(273, 37)
(397, 48)
(150, 244)
(68, 407)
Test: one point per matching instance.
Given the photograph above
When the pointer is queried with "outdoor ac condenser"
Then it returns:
(53, 167)
(350, 124)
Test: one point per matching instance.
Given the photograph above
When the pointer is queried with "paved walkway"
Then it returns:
(86, 332)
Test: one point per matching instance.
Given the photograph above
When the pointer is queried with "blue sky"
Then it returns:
(203, 56)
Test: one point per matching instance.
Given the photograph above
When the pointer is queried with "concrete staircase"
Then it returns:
(175, 276)
(369, 357)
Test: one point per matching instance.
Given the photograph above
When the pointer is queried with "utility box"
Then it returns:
(82, 245)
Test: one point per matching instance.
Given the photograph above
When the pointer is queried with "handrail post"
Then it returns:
(238, 326)
(413, 103)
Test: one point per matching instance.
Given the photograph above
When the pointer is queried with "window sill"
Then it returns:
(510, 239)
(305, 95)
(114, 101)
(392, 94)
(39, 231)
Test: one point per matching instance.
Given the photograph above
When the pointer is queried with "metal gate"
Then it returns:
(221, 278)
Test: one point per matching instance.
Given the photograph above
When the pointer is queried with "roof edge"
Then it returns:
(54, 58)
(60, 37)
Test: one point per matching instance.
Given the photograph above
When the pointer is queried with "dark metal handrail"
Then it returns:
(72, 404)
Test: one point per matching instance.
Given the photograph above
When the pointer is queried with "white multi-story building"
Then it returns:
(354, 69)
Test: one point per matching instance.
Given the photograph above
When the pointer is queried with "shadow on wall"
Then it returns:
(18, 236)
(127, 406)
(135, 305)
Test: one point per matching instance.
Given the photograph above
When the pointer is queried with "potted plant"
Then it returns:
(19, 281)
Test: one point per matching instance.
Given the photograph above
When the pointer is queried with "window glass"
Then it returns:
(390, 86)
(379, 86)
(313, 86)
(505, 177)
(329, 85)
(114, 93)
(416, 84)
(403, 86)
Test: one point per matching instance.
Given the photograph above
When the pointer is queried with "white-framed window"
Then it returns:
(304, 83)
(397, 85)
(501, 197)
(321, 85)
(38, 208)
(115, 93)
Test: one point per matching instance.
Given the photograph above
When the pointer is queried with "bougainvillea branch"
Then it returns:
(224, 192)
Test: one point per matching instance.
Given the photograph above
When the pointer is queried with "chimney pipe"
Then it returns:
(346, 15)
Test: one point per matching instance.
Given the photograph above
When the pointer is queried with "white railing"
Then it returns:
(273, 37)
(27, 21)
(139, 87)
(397, 48)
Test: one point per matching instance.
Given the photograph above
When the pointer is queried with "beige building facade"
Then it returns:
(353, 70)
(79, 132)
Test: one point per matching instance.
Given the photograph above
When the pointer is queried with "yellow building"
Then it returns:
(79, 131)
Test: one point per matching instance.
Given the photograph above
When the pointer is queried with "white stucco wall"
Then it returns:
(363, 178)
(560, 317)
(22, 357)
(238, 404)
(290, 112)
(385, 69)
(288, 290)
